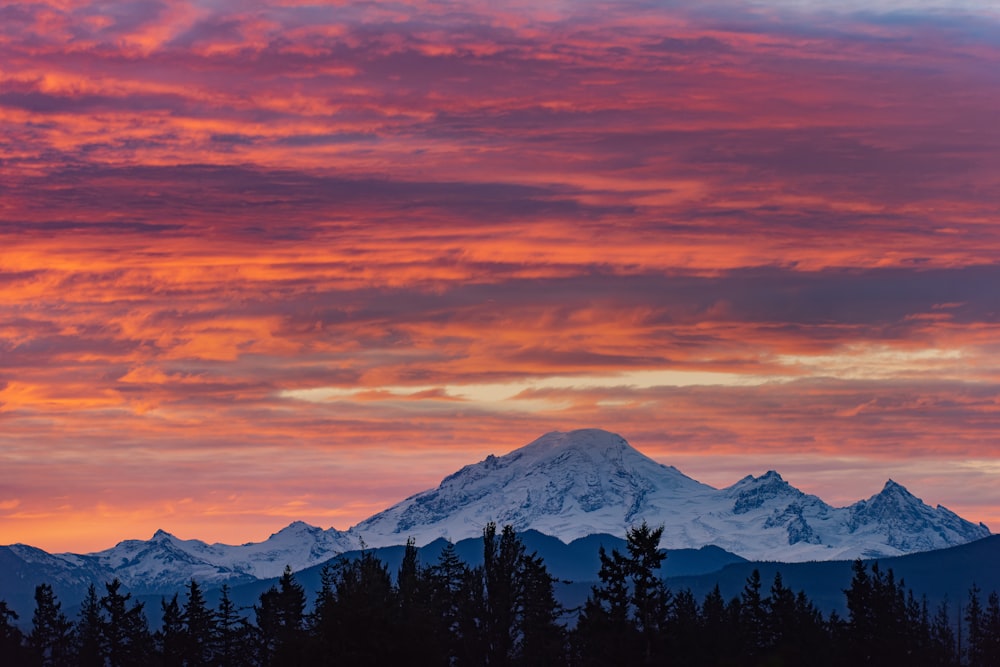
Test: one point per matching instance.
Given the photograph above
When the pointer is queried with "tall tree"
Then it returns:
(501, 564)
(650, 598)
(171, 636)
(605, 631)
(447, 578)
(51, 632)
(542, 637)
(125, 631)
(233, 632)
(89, 636)
(753, 616)
(11, 638)
(200, 629)
(280, 622)
(975, 643)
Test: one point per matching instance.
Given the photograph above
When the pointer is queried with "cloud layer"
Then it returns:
(264, 261)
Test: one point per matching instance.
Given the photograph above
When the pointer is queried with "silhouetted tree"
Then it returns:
(650, 598)
(200, 629)
(280, 622)
(233, 633)
(171, 638)
(51, 637)
(124, 629)
(88, 639)
(11, 638)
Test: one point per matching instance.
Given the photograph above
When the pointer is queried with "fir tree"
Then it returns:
(199, 628)
(650, 598)
(11, 638)
(233, 633)
(89, 636)
(171, 638)
(51, 632)
(124, 629)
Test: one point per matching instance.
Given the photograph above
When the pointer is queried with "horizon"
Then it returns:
(263, 261)
(351, 526)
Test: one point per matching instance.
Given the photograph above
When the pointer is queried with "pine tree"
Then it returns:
(684, 630)
(171, 636)
(125, 631)
(11, 638)
(88, 639)
(943, 648)
(447, 580)
(782, 623)
(605, 631)
(753, 616)
(199, 628)
(280, 623)
(501, 562)
(543, 639)
(650, 598)
(991, 630)
(233, 633)
(420, 630)
(975, 651)
(51, 632)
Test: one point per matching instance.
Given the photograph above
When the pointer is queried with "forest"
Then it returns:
(505, 613)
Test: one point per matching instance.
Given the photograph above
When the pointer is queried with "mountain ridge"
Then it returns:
(566, 485)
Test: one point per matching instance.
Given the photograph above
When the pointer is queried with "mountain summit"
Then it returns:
(566, 485)
(563, 484)
(573, 484)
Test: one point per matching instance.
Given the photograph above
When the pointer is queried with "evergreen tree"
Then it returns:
(418, 627)
(543, 638)
(280, 623)
(943, 649)
(233, 633)
(171, 638)
(650, 598)
(447, 580)
(717, 637)
(88, 639)
(362, 611)
(51, 632)
(684, 630)
(753, 617)
(605, 631)
(501, 562)
(199, 628)
(991, 630)
(124, 629)
(11, 638)
(975, 651)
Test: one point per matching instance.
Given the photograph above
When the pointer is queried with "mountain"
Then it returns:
(563, 485)
(570, 485)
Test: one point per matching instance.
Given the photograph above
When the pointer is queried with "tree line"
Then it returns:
(505, 613)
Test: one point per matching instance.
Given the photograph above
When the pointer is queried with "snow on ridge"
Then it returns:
(569, 485)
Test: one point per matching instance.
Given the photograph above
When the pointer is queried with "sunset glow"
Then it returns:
(275, 261)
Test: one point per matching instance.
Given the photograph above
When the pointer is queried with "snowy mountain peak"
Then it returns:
(592, 440)
(576, 483)
(565, 485)
(295, 529)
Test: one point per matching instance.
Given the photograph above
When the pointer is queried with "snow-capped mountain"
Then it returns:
(166, 561)
(569, 485)
(565, 485)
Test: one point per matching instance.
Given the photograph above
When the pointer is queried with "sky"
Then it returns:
(274, 261)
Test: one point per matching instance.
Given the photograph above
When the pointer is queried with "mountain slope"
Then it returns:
(569, 485)
(564, 485)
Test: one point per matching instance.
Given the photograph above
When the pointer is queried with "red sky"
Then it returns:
(268, 261)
